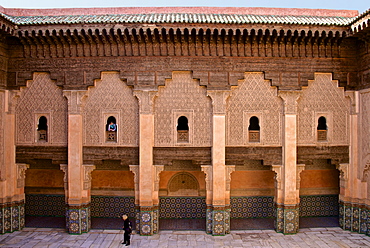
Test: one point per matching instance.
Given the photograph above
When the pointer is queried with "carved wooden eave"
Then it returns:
(7, 26)
(361, 27)
(253, 40)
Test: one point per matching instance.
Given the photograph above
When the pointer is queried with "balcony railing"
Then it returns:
(43, 135)
(111, 136)
(254, 136)
(182, 136)
(322, 135)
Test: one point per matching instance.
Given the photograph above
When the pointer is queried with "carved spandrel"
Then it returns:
(218, 100)
(290, 99)
(75, 100)
(145, 97)
(353, 96)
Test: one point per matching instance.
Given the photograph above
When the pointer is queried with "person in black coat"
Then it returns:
(127, 229)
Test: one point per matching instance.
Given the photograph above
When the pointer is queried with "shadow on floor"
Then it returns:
(311, 222)
(236, 224)
(45, 222)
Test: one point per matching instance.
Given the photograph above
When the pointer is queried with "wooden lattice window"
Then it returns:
(322, 129)
(111, 129)
(254, 129)
(182, 130)
(42, 129)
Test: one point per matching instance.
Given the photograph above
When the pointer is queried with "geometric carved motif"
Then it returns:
(323, 95)
(39, 97)
(365, 128)
(111, 95)
(254, 95)
(183, 94)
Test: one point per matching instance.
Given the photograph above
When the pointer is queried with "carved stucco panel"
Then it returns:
(207, 169)
(278, 173)
(41, 96)
(109, 96)
(229, 169)
(157, 171)
(322, 96)
(64, 168)
(21, 174)
(87, 175)
(182, 93)
(300, 168)
(343, 174)
(254, 94)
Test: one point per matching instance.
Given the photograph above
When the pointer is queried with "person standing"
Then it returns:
(127, 229)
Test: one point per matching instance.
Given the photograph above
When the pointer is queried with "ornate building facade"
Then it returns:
(197, 117)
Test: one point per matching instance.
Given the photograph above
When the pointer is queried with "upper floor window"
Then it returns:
(182, 129)
(254, 129)
(42, 129)
(111, 129)
(322, 129)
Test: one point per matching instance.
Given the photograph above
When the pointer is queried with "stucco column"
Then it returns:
(288, 202)
(353, 207)
(219, 214)
(12, 175)
(147, 219)
(77, 198)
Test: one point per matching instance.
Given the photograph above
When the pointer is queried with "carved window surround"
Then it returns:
(189, 114)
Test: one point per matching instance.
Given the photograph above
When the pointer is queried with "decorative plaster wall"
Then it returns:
(2, 141)
(323, 97)
(254, 97)
(365, 129)
(182, 95)
(111, 97)
(41, 97)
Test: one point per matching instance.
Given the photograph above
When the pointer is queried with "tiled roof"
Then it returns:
(181, 18)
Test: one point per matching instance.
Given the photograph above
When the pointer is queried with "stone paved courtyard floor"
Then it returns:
(310, 237)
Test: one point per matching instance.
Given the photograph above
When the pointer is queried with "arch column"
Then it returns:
(287, 196)
(218, 175)
(12, 175)
(147, 210)
(76, 174)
